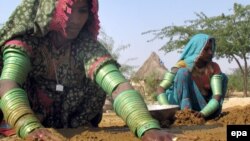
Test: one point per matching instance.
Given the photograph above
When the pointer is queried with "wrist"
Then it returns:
(149, 125)
(162, 99)
(210, 108)
(129, 105)
(109, 77)
(167, 80)
(150, 131)
(17, 112)
(160, 90)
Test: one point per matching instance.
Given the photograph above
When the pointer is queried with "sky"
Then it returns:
(126, 20)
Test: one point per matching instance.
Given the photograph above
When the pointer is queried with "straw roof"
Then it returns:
(153, 66)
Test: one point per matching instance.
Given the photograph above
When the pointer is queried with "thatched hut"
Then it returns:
(153, 66)
(147, 78)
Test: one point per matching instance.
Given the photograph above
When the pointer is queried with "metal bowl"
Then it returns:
(163, 112)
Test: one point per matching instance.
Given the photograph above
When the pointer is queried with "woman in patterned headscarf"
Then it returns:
(56, 74)
(195, 82)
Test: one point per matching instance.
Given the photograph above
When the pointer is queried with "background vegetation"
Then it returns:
(232, 34)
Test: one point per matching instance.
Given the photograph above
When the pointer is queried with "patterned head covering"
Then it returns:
(38, 17)
(194, 48)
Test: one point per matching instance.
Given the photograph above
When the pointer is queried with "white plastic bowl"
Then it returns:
(162, 112)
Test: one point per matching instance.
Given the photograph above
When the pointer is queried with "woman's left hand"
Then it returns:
(157, 135)
(198, 114)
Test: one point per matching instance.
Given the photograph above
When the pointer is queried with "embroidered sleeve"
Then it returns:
(19, 43)
(94, 55)
(16, 60)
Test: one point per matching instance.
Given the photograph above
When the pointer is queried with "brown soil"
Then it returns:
(187, 117)
(112, 128)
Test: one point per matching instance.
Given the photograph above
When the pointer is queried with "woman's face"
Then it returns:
(77, 18)
(207, 53)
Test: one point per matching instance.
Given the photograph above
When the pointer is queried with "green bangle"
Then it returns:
(12, 97)
(216, 84)
(104, 71)
(153, 124)
(210, 108)
(132, 102)
(17, 112)
(13, 50)
(20, 62)
(137, 119)
(16, 65)
(162, 99)
(167, 80)
(112, 80)
(119, 100)
(129, 105)
(30, 123)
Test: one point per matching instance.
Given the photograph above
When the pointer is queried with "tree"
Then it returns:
(232, 33)
(108, 43)
(236, 82)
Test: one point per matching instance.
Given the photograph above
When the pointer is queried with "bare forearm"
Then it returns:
(160, 90)
(120, 88)
(6, 85)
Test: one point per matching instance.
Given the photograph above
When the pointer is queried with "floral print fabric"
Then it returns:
(82, 99)
(28, 29)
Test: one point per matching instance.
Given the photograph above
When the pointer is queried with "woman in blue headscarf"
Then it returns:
(195, 82)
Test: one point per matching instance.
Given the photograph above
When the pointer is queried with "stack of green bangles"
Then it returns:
(213, 104)
(162, 99)
(167, 80)
(16, 65)
(210, 108)
(165, 83)
(129, 105)
(109, 77)
(18, 113)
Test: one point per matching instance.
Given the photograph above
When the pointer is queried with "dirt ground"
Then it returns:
(236, 110)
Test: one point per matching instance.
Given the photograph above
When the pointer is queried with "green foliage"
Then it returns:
(235, 82)
(109, 44)
(230, 31)
(151, 84)
(1, 25)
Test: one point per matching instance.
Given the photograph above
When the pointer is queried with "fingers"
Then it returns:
(37, 135)
(185, 138)
(197, 114)
(45, 135)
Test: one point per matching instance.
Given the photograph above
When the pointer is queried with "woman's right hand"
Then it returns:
(45, 134)
(157, 135)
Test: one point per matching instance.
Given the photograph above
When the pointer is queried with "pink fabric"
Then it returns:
(6, 130)
(20, 43)
(95, 27)
(93, 67)
(60, 18)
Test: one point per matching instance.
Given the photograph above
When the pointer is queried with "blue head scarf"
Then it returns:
(194, 48)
